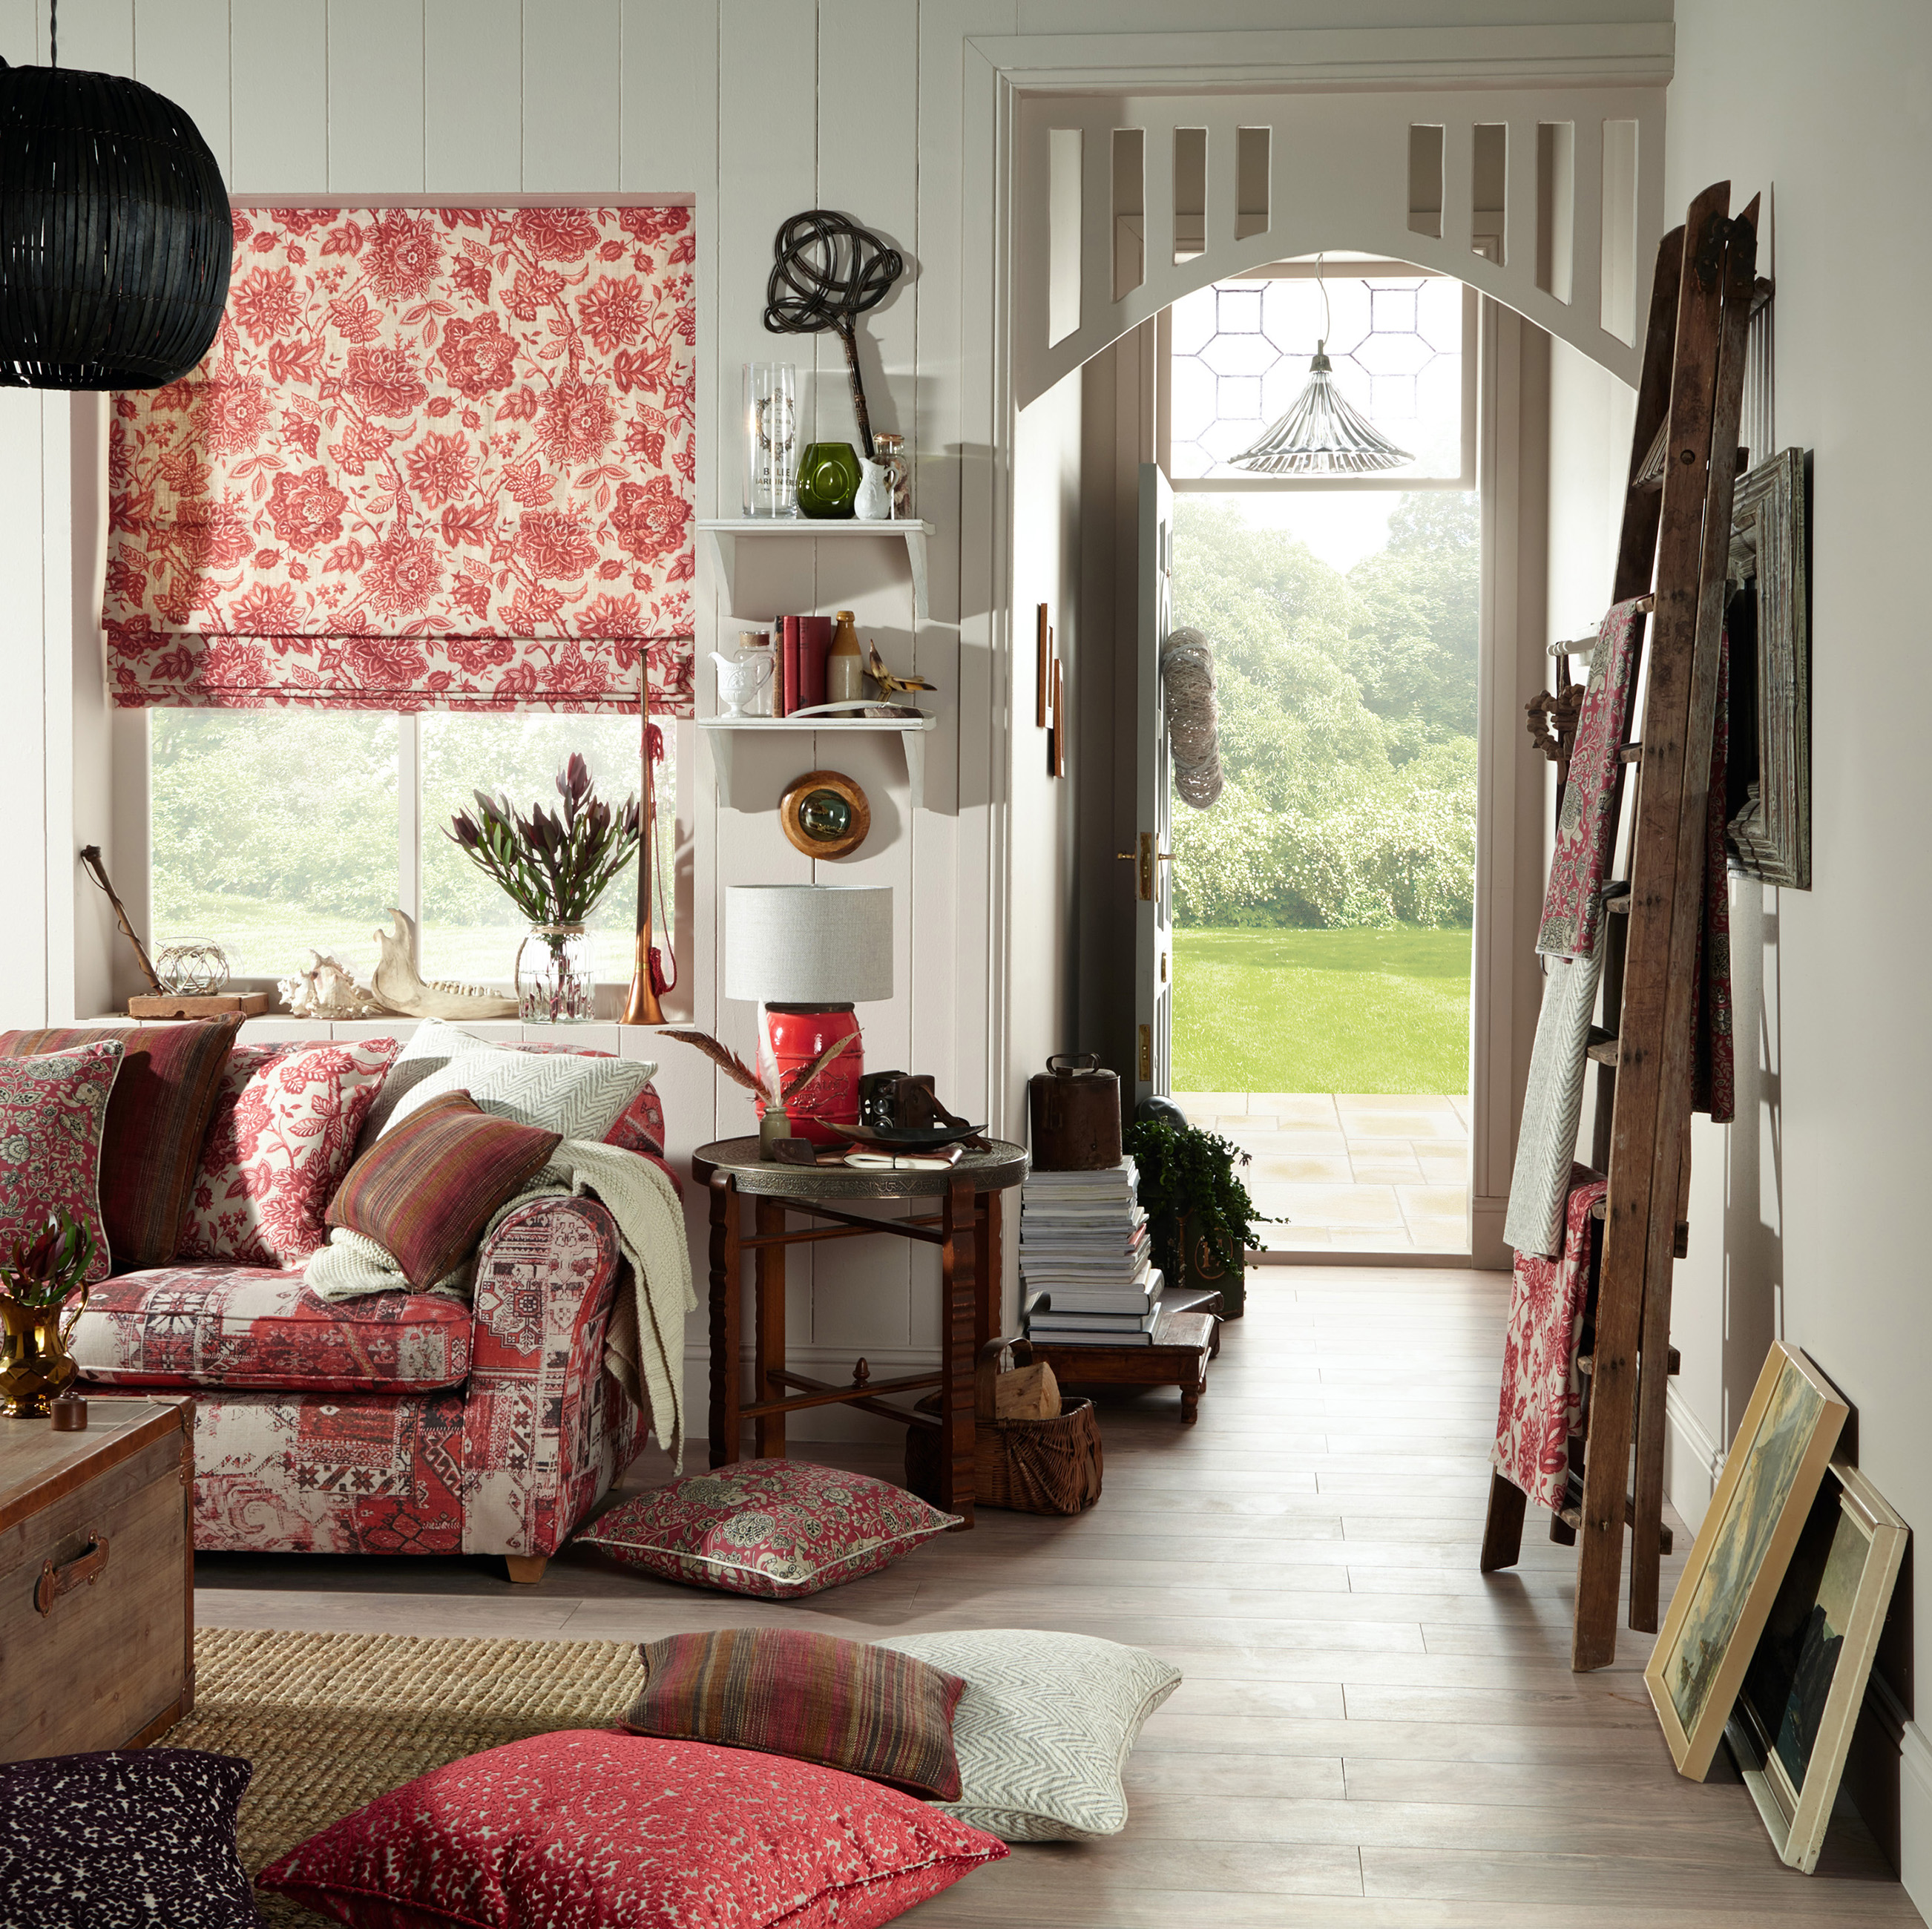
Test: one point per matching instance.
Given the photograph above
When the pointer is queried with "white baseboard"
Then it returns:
(1692, 1460)
(1914, 1791)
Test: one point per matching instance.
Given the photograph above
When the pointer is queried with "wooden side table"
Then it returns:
(966, 1229)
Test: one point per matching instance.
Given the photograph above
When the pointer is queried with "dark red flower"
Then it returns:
(266, 303)
(306, 507)
(384, 381)
(649, 517)
(479, 355)
(561, 234)
(232, 416)
(652, 224)
(611, 616)
(268, 609)
(576, 422)
(383, 662)
(612, 312)
(404, 257)
(440, 468)
(554, 545)
(402, 575)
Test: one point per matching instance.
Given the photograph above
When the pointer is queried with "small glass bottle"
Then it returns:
(845, 666)
(890, 449)
(754, 647)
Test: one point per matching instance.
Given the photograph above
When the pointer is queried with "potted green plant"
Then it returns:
(37, 1277)
(555, 868)
(1200, 1217)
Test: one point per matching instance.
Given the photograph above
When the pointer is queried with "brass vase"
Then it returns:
(35, 1363)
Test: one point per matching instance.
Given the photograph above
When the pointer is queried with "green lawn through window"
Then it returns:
(1276, 1010)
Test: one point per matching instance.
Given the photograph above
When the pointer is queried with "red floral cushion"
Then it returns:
(239, 1327)
(53, 1114)
(777, 1529)
(157, 1120)
(585, 1829)
(282, 1134)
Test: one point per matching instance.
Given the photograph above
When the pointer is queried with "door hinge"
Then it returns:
(1146, 1053)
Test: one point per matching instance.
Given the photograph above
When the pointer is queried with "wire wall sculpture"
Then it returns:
(827, 271)
(1193, 720)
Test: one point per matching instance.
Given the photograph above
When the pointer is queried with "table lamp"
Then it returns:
(808, 953)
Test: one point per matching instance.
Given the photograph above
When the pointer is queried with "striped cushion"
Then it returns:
(156, 1118)
(842, 1704)
(424, 1191)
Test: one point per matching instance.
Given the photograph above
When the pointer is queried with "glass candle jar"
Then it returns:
(771, 438)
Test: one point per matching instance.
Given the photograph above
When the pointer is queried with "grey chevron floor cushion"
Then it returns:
(1044, 1728)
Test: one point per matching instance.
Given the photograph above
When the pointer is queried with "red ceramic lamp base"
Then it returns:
(795, 1036)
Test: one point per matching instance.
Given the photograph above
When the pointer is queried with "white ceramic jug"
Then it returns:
(874, 502)
(740, 679)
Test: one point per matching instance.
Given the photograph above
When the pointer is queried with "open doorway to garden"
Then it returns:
(1323, 903)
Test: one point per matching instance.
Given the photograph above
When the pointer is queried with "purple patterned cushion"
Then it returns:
(53, 1111)
(131, 1839)
(777, 1528)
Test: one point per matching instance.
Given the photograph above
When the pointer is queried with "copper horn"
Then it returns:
(641, 1006)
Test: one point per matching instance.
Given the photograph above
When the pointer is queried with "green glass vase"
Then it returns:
(828, 479)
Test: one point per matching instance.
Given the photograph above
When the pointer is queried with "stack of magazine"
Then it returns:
(1086, 1273)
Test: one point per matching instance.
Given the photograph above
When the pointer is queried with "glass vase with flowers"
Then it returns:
(555, 866)
(38, 1275)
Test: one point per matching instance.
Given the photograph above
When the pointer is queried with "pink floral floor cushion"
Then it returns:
(53, 1110)
(282, 1136)
(239, 1326)
(777, 1529)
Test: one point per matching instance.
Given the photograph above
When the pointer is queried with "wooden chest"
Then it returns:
(97, 1578)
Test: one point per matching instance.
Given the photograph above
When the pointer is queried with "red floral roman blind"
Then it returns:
(437, 458)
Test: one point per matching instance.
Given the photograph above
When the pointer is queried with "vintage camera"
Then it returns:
(898, 1101)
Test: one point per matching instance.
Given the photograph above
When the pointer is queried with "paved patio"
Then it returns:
(1351, 1172)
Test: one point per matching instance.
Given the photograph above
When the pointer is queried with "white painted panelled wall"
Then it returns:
(755, 111)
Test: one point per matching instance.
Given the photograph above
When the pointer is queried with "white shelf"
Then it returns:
(722, 732)
(721, 534)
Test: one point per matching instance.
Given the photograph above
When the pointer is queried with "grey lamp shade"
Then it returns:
(803, 943)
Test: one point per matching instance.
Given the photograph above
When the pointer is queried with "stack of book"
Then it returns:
(1086, 1275)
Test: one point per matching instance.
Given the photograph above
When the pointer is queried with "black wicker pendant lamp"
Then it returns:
(114, 235)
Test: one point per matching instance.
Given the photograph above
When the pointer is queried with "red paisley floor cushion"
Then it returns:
(585, 1829)
(244, 1327)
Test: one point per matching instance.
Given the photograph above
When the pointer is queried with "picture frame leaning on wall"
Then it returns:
(1791, 1729)
(1724, 1598)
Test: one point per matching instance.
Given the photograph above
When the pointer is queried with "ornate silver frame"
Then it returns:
(1771, 838)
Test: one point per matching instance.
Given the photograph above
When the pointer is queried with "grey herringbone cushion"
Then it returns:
(574, 1096)
(1044, 1728)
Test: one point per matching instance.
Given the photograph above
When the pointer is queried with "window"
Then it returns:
(1240, 352)
(278, 832)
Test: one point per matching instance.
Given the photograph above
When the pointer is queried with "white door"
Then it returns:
(1154, 884)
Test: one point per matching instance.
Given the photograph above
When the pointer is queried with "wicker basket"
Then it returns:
(1032, 1466)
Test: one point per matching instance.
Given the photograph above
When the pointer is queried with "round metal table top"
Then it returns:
(1004, 1164)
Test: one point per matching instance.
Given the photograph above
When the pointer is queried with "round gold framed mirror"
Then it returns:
(825, 814)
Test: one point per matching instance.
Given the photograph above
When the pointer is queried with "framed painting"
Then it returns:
(1768, 805)
(1724, 1596)
(1791, 1728)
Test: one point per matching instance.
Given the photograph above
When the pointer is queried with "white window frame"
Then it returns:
(410, 827)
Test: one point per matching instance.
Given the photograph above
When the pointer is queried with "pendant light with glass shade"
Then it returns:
(1323, 433)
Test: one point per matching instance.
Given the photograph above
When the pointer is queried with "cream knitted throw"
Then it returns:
(643, 1344)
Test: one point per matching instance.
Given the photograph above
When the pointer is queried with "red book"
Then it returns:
(814, 646)
(789, 668)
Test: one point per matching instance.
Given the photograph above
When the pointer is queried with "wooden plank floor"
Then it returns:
(1369, 1734)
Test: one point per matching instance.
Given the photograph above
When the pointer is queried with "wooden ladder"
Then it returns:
(1675, 537)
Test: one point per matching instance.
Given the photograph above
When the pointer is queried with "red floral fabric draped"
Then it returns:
(437, 458)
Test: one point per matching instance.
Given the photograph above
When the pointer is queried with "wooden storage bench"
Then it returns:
(97, 1578)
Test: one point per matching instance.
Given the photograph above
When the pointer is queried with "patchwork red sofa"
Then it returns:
(398, 1423)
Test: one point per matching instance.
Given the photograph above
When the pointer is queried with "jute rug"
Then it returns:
(330, 1721)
